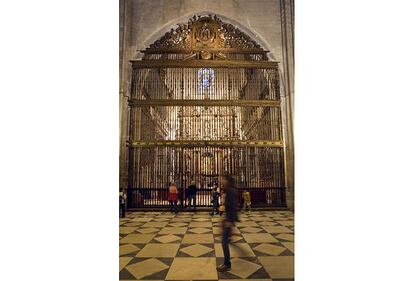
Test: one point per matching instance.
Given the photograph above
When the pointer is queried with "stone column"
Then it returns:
(287, 75)
(124, 74)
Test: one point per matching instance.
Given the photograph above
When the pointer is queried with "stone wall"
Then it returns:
(268, 22)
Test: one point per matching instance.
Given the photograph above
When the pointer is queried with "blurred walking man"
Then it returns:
(229, 219)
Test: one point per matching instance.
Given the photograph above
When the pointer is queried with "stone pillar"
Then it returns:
(123, 94)
(287, 75)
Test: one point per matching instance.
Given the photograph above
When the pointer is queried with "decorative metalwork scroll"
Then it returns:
(205, 37)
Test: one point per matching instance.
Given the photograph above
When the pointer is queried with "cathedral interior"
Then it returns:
(202, 100)
(206, 90)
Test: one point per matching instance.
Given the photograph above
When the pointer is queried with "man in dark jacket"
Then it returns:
(230, 218)
(191, 194)
(122, 202)
(215, 195)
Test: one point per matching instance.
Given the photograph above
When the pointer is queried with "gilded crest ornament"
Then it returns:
(204, 34)
(205, 37)
(206, 55)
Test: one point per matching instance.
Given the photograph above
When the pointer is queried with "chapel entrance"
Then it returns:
(205, 102)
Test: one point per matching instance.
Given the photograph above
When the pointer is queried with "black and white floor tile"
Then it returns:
(187, 246)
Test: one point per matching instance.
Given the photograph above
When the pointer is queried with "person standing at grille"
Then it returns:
(228, 221)
(122, 202)
(173, 197)
(215, 200)
(192, 194)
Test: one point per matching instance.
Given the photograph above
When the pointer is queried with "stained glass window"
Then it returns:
(205, 81)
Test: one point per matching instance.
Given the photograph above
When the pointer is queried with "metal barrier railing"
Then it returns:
(157, 197)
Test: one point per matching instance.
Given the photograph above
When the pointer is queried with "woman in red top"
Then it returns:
(173, 197)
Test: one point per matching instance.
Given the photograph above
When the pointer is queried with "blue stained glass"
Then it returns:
(205, 79)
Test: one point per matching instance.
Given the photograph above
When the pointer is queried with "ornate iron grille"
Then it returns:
(204, 102)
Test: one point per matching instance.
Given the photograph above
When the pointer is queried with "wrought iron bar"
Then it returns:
(203, 63)
(205, 143)
(198, 102)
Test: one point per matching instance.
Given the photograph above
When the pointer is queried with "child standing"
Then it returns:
(247, 203)
(222, 208)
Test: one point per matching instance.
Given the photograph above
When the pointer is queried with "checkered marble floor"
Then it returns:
(187, 246)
